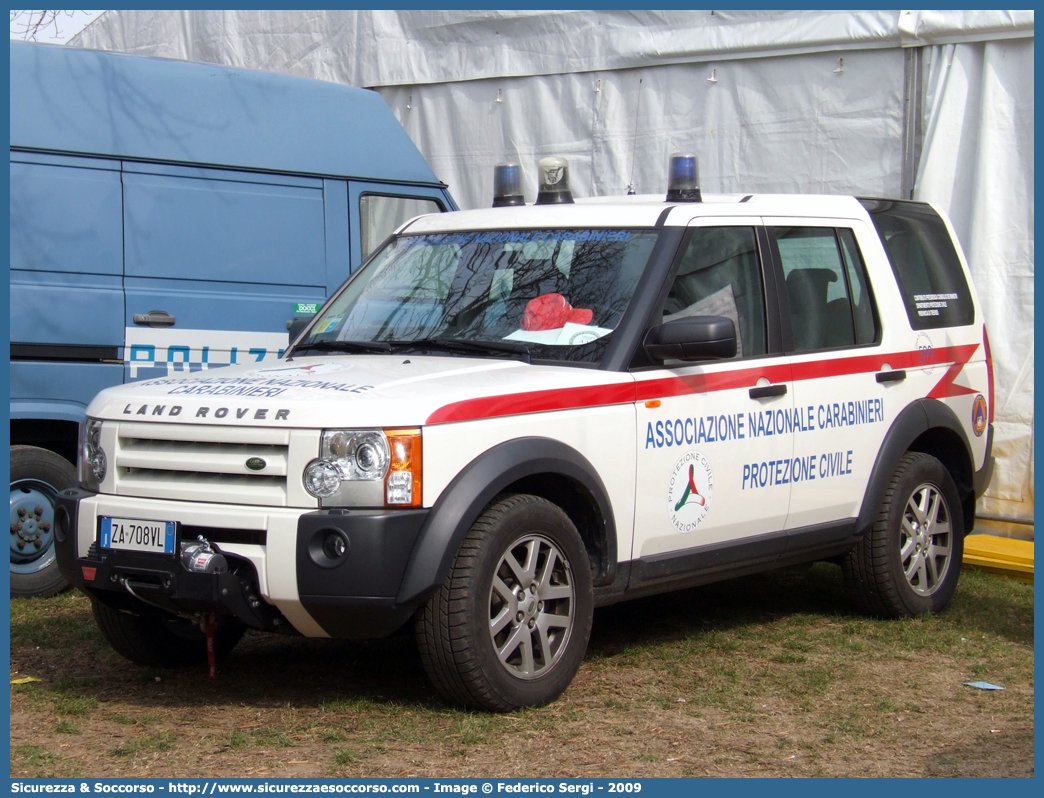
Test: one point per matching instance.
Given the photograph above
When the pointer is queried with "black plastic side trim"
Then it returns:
(720, 561)
(67, 353)
(475, 486)
(707, 560)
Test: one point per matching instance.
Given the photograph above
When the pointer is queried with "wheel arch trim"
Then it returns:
(916, 419)
(463, 500)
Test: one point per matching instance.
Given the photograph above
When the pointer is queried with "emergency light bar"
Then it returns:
(683, 181)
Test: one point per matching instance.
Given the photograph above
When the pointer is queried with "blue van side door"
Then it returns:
(215, 262)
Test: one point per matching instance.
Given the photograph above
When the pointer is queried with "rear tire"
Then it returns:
(37, 477)
(159, 639)
(510, 626)
(909, 562)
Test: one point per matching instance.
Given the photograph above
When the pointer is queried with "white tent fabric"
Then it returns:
(978, 165)
(776, 101)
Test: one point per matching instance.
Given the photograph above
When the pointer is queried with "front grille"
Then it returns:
(207, 464)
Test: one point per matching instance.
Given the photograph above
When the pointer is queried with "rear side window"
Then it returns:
(830, 303)
(925, 264)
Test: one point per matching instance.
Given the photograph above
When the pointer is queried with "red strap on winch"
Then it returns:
(211, 659)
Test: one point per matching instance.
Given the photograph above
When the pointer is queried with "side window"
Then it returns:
(379, 215)
(925, 263)
(830, 304)
(720, 275)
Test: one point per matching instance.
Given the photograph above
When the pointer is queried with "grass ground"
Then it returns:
(770, 675)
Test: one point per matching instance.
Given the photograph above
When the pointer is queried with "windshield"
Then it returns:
(551, 294)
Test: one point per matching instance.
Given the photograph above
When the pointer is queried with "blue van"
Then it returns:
(173, 217)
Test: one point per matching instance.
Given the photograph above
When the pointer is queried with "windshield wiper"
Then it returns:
(483, 348)
(378, 347)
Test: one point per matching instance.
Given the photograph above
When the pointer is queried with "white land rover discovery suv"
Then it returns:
(509, 417)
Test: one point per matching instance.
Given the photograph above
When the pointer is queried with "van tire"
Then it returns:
(909, 562)
(159, 639)
(542, 636)
(37, 477)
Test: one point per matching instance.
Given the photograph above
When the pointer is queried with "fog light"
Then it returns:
(334, 545)
(322, 478)
(329, 547)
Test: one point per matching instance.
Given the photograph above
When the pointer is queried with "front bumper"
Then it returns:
(280, 577)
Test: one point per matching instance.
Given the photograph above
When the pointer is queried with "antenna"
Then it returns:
(634, 148)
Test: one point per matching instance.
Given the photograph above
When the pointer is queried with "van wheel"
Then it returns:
(509, 627)
(37, 476)
(909, 562)
(163, 640)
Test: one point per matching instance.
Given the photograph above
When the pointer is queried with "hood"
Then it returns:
(360, 391)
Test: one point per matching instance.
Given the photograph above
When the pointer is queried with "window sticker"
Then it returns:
(328, 324)
(931, 304)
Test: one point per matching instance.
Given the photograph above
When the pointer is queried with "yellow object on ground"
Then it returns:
(1002, 556)
(24, 680)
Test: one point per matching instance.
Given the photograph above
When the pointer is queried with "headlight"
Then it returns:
(366, 468)
(357, 454)
(92, 463)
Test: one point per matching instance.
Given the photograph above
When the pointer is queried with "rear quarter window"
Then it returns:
(925, 263)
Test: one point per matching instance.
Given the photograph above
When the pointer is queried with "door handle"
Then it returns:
(155, 318)
(896, 375)
(762, 391)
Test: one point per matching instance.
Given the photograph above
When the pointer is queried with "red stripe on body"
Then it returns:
(513, 404)
(643, 390)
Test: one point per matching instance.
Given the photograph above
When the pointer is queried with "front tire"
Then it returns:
(909, 562)
(37, 477)
(160, 639)
(510, 626)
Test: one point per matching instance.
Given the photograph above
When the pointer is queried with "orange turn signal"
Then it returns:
(402, 484)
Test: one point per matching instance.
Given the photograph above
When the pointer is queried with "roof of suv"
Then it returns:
(645, 210)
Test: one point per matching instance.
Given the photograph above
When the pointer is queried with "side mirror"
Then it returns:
(296, 326)
(692, 338)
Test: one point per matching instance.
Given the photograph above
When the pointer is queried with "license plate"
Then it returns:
(129, 534)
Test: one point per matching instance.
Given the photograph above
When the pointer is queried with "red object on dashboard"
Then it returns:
(549, 311)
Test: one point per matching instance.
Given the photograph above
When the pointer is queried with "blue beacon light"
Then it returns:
(683, 179)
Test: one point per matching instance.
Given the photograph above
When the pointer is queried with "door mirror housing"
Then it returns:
(692, 338)
(296, 326)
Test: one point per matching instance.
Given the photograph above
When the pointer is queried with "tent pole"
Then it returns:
(913, 107)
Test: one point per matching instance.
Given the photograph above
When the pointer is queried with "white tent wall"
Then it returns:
(781, 124)
(978, 165)
(780, 101)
